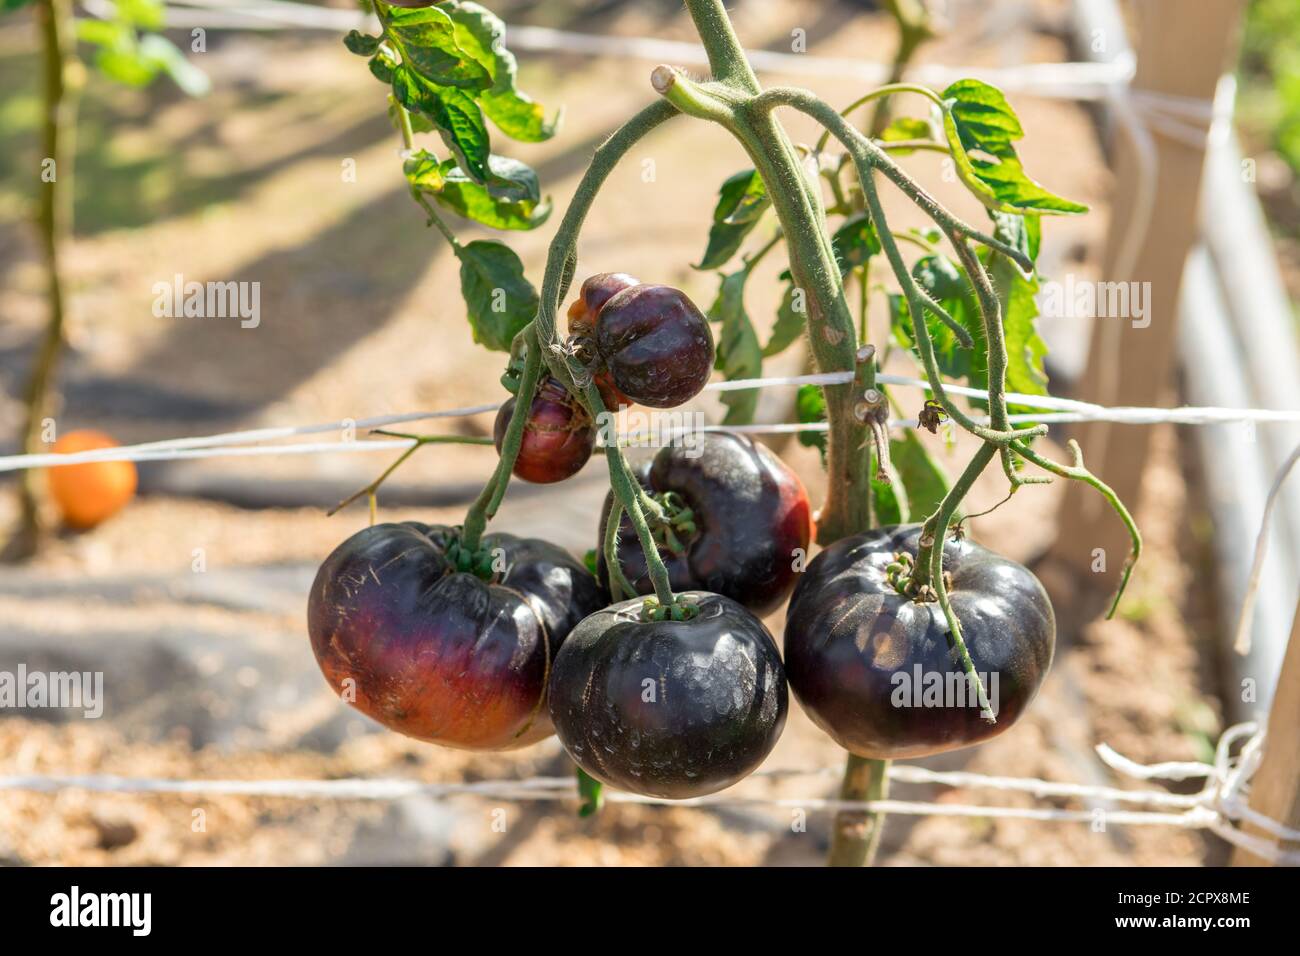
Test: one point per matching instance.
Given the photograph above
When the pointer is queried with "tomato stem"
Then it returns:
(489, 499)
(64, 78)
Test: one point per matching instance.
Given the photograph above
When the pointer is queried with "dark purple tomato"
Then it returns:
(670, 709)
(655, 344)
(442, 655)
(595, 292)
(879, 672)
(558, 437)
(750, 515)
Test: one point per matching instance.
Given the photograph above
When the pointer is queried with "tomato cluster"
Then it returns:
(644, 344)
(497, 645)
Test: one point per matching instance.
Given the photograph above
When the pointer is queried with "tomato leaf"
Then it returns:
(810, 406)
(590, 789)
(791, 320)
(978, 119)
(426, 39)
(924, 482)
(947, 283)
(742, 200)
(454, 114)
(1017, 293)
(361, 44)
(509, 200)
(889, 499)
(855, 242)
(481, 34)
(738, 355)
(500, 299)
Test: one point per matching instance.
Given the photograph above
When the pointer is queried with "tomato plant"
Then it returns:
(698, 537)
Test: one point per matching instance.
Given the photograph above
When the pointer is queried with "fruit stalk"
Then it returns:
(856, 834)
(63, 77)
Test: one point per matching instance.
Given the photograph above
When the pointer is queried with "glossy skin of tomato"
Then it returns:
(751, 514)
(671, 709)
(655, 344)
(558, 437)
(853, 643)
(595, 292)
(440, 655)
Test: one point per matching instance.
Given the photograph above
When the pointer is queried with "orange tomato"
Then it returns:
(93, 492)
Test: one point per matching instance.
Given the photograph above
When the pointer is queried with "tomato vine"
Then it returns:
(970, 317)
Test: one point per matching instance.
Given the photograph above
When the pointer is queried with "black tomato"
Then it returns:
(558, 437)
(439, 654)
(747, 514)
(879, 672)
(670, 709)
(655, 344)
(595, 292)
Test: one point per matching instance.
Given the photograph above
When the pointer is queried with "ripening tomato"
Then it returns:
(447, 656)
(559, 436)
(90, 493)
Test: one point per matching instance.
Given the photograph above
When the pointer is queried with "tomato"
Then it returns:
(440, 654)
(90, 493)
(743, 518)
(655, 344)
(595, 292)
(878, 671)
(671, 709)
(558, 438)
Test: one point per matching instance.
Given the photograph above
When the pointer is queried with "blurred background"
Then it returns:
(268, 158)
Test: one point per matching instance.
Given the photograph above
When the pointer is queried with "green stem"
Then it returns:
(727, 58)
(619, 586)
(856, 834)
(63, 80)
(489, 499)
(878, 93)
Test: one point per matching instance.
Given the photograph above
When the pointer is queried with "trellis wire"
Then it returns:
(1217, 806)
(243, 443)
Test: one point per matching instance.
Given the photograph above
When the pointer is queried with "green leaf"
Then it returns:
(791, 320)
(924, 482)
(590, 789)
(889, 499)
(810, 406)
(509, 200)
(384, 67)
(126, 66)
(500, 299)
(855, 242)
(426, 39)
(481, 34)
(170, 60)
(148, 14)
(739, 355)
(947, 283)
(742, 200)
(454, 114)
(7, 5)
(906, 129)
(978, 119)
(1017, 293)
(360, 43)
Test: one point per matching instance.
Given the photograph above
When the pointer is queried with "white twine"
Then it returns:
(225, 444)
(1217, 807)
